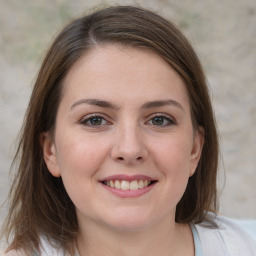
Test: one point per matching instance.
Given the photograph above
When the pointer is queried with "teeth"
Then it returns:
(126, 185)
(118, 184)
(145, 183)
(134, 185)
(112, 185)
(141, 184)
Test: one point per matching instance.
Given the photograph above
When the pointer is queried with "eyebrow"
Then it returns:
(95, 102)
(147, 105)
(161, 103)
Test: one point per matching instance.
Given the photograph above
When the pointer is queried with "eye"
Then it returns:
(94, 121)
(161, 120)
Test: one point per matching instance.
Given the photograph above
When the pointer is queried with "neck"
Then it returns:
(166, 238)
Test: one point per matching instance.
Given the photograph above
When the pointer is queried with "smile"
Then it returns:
(128, 185)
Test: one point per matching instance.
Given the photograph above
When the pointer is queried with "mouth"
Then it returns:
(129, 185)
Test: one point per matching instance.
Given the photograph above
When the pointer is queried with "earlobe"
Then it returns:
(197, 149)
(49, 154)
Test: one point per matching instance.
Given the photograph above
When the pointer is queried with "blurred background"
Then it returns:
(224, 36)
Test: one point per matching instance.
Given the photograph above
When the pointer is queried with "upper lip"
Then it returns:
(127, 177)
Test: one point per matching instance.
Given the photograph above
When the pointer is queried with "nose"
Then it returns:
(129, 147)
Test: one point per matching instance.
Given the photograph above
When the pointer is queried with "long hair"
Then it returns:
(39, 203)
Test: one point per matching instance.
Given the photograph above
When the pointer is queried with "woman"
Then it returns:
(119, 150)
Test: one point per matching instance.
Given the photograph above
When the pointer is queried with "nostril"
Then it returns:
(120, 158)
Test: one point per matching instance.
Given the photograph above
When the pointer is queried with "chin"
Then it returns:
(130, 223)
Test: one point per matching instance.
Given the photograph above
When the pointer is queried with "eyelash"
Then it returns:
(170, 121)
(85, 121)
(166, 120)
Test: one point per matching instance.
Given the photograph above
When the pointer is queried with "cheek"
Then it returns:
(79, 160)
(173, 161)
(79, 156)
(174, 153)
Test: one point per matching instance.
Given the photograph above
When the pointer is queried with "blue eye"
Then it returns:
(94, 121)
(161, 121)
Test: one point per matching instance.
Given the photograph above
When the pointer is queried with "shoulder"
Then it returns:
(13, 253)
(229, 238)
(47, 248)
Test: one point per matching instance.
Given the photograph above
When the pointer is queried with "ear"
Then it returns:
(197, 149)
(49, 153)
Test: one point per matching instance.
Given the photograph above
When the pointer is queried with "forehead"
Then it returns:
(110, 70)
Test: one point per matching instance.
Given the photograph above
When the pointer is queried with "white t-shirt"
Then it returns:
(229, 239)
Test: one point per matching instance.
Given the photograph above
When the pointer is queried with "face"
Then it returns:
(124, 144)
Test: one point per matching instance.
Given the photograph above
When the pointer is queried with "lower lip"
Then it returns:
(129, 193)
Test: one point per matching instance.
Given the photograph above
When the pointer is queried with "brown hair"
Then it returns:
(39, 204)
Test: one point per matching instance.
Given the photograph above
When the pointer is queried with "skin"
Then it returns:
(126, 138)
